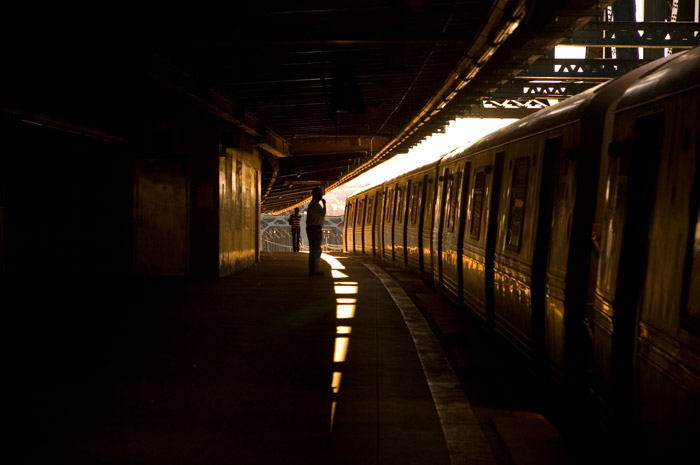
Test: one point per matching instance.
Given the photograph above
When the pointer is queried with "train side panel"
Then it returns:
(379, 222)
(647, 332)
(453, 220)
(400, 222)
(419, 219)
(414, 238)
(388, 221)
(668, 339)
(368, 230)
(347, 229)
(478, 244)
(427, 258)
(358, 236)
(438, 213)
(513, 260)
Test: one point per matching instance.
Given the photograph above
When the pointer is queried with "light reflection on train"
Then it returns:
(574, 235)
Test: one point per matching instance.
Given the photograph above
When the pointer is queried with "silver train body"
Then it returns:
(574, 234)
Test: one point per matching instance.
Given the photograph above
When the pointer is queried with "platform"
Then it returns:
(365, 365)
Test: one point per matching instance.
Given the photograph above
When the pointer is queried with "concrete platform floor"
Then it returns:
(251, 369)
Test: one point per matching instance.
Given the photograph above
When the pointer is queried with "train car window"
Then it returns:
(399, 204)
(453, 201)
(448, 199)
(516, 207)
(414, 202)
(477, 203)
(360, 212)
(370, 204)
(348, 216)
(389, 205)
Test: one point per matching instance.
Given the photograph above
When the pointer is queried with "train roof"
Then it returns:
(568, 111)
(680, 74)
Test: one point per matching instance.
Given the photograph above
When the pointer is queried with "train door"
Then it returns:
(445, 186)
(388, 223)
(403, 224)
(397, 222)
(347, 226)
(413, 236)
(358, 242)
(367, 230)
(428, 214)
(494, 198)
(422, 189)
(453, 230)
(552, 148)
(462, 219)
(379, 222)
(638, 170)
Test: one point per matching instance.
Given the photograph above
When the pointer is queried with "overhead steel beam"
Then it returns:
(627, 34)
(541, 90)
(598, 69)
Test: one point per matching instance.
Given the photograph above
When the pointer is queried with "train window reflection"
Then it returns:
(341, 349)
(344, 311)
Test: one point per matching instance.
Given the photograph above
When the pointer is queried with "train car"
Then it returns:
(403, 188)
(358, 232)
(508, 231)
(388, 215)
(454, 171)
(419, 217)
(368, 234)
(445, 193)
(349, 225)
(479, 238)
(528, 275)
(646, 323)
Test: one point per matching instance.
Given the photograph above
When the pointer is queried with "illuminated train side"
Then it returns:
(572, 233)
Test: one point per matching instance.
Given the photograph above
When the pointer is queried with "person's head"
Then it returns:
(316, 193)
(296, 211)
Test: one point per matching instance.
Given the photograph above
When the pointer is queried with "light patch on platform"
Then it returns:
(343, 329)
(345, 300)
(332, 414)
(341, 349)
(333, 262)
(345, 311)
(335, 384)
(338, 274)
(346, 287)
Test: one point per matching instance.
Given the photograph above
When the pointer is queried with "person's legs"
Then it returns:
(314, 233)
(295, 239)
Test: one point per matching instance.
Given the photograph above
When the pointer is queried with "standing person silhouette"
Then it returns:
(295, 223)
(315, 218)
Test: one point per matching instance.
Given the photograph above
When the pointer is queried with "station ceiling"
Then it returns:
(331, 88)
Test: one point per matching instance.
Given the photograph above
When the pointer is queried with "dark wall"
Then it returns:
(67, 201)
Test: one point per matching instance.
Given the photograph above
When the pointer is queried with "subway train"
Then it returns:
(573, 235)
